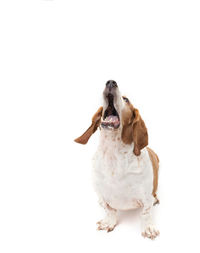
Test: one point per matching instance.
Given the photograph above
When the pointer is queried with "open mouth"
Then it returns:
(110, 118)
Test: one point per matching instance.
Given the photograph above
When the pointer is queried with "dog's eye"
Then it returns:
(126, 99)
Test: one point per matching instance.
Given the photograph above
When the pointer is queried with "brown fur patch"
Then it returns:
(96, 120)
(134, 129)
(155, 163)
(140, 135)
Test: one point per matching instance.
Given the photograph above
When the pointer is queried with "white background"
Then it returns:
(55, 57)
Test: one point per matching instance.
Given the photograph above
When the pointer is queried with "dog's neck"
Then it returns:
(110, 140)
(108, 136)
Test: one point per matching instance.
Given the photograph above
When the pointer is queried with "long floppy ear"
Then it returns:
(96, 119)
(140, 135)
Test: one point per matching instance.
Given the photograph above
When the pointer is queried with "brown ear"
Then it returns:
(96, 119)
(140, 135)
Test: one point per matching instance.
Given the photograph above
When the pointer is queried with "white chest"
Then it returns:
(121, 178)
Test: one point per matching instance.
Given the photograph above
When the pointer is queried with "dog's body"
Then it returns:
(125, 171)
(121, 178)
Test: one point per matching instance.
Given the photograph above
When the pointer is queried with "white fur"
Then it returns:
(121, 179)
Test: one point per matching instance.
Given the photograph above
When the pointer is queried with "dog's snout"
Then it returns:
(111, 84)
(111, 88)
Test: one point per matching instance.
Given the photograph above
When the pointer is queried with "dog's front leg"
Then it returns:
(110, 220)
(148, 228)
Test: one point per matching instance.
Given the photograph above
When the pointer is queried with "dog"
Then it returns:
(125, 173)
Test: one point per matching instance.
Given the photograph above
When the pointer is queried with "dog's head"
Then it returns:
(119, 115)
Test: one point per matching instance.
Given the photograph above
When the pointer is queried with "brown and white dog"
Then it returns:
(125, 170)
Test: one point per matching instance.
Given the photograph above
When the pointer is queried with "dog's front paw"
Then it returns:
(150, 232)
(106, 224)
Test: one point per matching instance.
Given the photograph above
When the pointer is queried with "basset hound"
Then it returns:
(125, 170)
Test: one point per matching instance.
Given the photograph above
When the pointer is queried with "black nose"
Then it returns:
(111, 84)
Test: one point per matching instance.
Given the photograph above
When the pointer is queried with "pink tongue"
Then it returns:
(112, 118)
